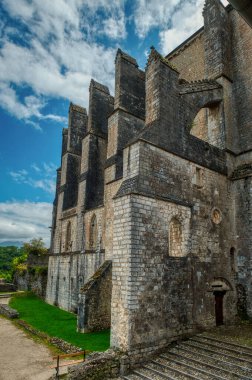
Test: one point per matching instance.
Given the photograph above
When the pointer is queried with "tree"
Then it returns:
(7, 254)
(36, 247)
(19, 263)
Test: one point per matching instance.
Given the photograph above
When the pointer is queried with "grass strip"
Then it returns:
(57, 323)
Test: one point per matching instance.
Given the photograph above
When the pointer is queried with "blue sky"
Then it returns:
(49, 51)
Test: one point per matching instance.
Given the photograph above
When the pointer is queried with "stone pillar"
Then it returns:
(217, 40)
(127, 120)
(101, 104)
(162, 96)
(129, 85)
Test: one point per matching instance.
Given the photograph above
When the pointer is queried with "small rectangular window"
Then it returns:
(199, 177)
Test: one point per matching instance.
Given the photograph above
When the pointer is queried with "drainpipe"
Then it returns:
(244, 8)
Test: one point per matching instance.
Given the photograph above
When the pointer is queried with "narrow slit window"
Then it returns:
(175, 238)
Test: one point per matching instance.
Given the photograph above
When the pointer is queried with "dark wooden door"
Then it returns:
(219, 307)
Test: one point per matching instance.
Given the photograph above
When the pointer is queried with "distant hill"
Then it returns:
(11, 244)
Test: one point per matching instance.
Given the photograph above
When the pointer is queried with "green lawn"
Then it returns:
(56, 322)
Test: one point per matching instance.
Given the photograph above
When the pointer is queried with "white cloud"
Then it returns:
(115, 28)
(24, 221)
(152, 13)
(176, 19)
(43, 177)
(49, 168)
(37, 68)
(60, 55)
(35, 167)
(30, 107)
(183, 25)
(8, 98)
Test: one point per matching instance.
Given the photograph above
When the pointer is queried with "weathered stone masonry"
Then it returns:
(152, 219)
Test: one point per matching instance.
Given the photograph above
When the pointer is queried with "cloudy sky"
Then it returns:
(49, 51)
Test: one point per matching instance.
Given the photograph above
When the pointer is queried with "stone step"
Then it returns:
(238, 350)
(202, 357)
(148, 375)
(194, 354)
(170, 373)
(207, 364)
(217, 352)
(240, 347)
(132, 376)
(169, 361)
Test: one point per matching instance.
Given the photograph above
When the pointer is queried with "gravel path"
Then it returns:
(20, 357)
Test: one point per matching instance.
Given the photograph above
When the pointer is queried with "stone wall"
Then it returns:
(243, 241)
(67, 274)
(157, 297)
(98, 366)
(242, 78)
(7, 287)
(33, 279)
(189, 59)
(94, 306)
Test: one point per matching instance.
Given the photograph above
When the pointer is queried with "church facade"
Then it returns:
(152, 219)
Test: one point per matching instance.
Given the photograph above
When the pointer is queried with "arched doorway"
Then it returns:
(219, 287)
(219, 307)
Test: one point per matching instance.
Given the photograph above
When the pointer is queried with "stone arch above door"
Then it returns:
(219, 284)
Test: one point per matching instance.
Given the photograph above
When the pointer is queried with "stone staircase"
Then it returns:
(202, 357)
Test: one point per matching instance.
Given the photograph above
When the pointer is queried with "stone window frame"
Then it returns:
(208, 110)
(68, 240)
(178, 220)
(233, 263)
(128, 160)
(216, 216)
(93, 232)
(199, 176)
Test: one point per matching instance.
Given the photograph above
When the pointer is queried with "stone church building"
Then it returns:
(152, 219)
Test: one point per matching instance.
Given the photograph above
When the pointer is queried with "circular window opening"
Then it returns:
(216, 216)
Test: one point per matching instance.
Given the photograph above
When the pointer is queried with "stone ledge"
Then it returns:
(96, 276)
(55, 341)
(8, 312)
(199, 86)
(242, 171)
(7, 287)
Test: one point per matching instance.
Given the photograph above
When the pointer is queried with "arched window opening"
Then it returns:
(68, 243)
(198, 127)
(232, 260)
(207, 125)
(93, 233)
(175, 238)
